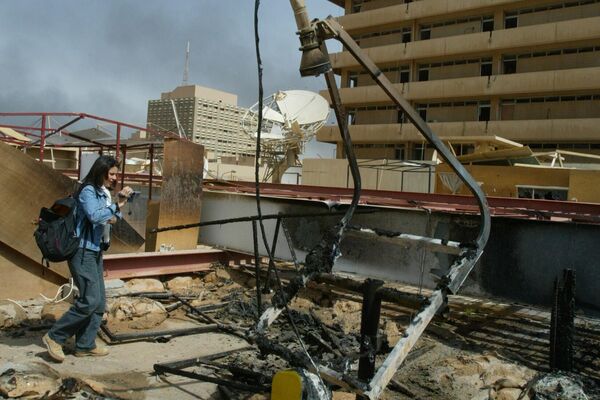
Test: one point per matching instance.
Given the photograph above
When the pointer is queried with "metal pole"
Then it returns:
(43, 138)
(429, 180)
(257, 269)
(151, 171)
(123, 161)
(369, 324)
(79, 177)
(117, 150)
(266, 288)
(562, 325)
(402, 180)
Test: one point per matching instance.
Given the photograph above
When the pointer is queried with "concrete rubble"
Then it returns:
(451, 361)
(11, 314)
(135, 313)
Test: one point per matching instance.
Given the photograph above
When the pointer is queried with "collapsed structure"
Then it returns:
(172, 223)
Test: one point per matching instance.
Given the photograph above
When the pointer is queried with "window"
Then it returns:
(423, 74)
(352, 81)
(351, 118)
(509, 64)
(487, 24)
(463, 149)
(511, 21)
(542, 192)
(422, 112)
(484, 112)
(406, 36)
(400, 117)
(486, 68)
(425, 33)
(399, 152)
(418, 152)
(404, 76)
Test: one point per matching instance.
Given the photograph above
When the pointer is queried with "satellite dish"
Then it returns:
(290, 118)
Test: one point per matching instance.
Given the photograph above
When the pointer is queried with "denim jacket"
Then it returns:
(92, 215)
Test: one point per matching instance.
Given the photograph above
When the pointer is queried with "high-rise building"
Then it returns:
(525, 70)
(209, 117)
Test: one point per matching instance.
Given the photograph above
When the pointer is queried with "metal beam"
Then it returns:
(134, 265)
(403, 347)
(500, 206)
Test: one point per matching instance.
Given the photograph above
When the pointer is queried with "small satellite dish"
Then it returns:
(290, 118)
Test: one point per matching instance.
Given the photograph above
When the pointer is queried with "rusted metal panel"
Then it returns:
(181, 193)
(24, 278)
(153, 208)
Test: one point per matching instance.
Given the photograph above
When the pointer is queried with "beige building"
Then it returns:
(525, 70)
(208, 116)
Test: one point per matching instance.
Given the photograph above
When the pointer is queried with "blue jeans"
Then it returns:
(84, 317)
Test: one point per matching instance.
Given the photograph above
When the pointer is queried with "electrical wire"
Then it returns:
(422, 266)
(257, 186)
(17, 303)
(57, 298)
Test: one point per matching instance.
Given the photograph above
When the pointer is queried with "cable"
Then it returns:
(257, 185)
(57, 298)
(17, 303)
(427, 233)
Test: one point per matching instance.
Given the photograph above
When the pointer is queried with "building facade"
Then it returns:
(209, 117)
(525, 70)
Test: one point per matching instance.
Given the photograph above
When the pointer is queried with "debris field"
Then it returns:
(200, 324)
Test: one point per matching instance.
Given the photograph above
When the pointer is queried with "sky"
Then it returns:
(109, 57)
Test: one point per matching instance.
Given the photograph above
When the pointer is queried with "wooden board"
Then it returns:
(23, 278)
(26, 186)
(181, 194)
(151, 223)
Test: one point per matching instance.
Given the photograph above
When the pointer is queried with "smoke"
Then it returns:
(110, 57)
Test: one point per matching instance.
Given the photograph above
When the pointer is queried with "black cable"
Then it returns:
(257, 185)
(258, 132)
(256, 218)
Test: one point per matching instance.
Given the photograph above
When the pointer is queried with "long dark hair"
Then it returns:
(99, 171)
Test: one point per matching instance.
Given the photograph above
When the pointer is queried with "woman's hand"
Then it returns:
(123, 195)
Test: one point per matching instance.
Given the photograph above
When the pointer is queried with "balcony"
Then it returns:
(577, 80)
(563, 33)
(394, 15)
(548, 130)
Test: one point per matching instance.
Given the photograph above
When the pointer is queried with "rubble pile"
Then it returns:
(320, 326)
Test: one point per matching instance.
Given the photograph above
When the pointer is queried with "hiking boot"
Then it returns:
(55, 349)
(98, 351)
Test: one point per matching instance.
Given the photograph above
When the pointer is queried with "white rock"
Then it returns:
(11, 314)
(144, 286)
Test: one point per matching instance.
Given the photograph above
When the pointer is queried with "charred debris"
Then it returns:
(345, 335)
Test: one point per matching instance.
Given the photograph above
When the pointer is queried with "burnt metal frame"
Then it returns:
(314, 35)
(177, 368)
(116, 338)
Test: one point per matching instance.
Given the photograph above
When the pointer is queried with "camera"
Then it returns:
(132, 196)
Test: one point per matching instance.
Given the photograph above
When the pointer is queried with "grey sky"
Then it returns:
(110, 57)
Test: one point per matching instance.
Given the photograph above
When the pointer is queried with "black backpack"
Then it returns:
(56, 234)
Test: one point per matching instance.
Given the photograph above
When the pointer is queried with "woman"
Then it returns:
(94, 211)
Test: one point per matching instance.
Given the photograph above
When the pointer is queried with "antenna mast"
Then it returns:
(186, 69)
